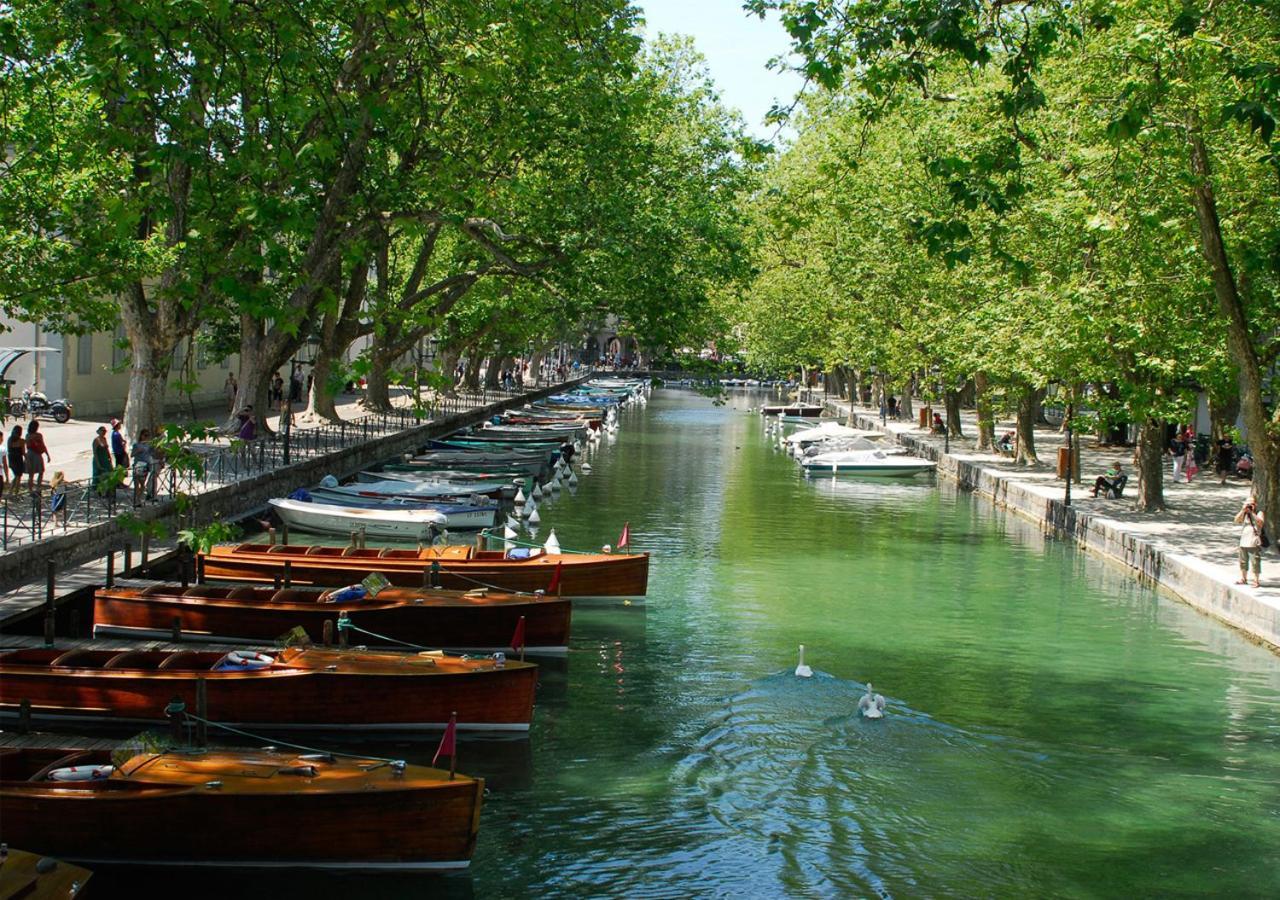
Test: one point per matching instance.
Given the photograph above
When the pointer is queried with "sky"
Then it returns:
(737, 47)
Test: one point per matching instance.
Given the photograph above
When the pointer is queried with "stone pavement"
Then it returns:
(1189, 548)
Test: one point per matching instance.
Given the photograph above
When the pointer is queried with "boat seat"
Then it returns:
(243, 593)
(69, 657)
(152, 589)
(205, 590)
(289, 595)
(69, 760)
(118, 661)
(173, 659)
(282, 548)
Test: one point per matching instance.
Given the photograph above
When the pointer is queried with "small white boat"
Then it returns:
(324, 518)
(867, 462)
(828, 431)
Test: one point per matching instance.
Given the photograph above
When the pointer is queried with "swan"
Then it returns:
(871, 706)
(802, 670)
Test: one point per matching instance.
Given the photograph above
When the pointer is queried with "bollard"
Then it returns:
(202, 712)
(275, 581)
(363, 538)
(49, 586)
(342, 638)
(327, 636)
(24, 716)
(48, 629)
(271, 537)
(288, 573)
(173, 712)
(128, 559)
(111, 569)
(175, 630)
(354, 540)
(284, 534)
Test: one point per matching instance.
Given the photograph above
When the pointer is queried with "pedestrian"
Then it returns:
(17, 456)
(277, 391)
(1189, 466)
(1253, 538)
(295, 385)
(145, 468)
(37, 453)
(248, 427)
(1179, 453)
(229, 390)
(119, 448)
(1226, 459)
(101, 457)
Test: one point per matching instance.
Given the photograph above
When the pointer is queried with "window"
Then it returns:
(202, 356)
(119, 348)
(84, 354)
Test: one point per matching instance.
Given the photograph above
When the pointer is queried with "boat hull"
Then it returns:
(490, 700)
(903, 471)
(616, 575)
(383, 828)
(468, 625)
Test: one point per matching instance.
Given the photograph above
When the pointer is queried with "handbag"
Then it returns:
(1263, 541)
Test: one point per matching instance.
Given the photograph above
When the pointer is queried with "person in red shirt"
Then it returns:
(37, 453)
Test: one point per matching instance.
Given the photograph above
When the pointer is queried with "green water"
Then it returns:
(1052, 728)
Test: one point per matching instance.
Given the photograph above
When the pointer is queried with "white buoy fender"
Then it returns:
(81, 773)
(586, 468)
(519, 496)
(552, 546)
(534, 518)
(802, 670)
(537, 492)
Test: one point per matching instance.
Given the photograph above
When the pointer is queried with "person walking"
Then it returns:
(1252, 539)
(229, 390)
(101, 458)
(1179, 454)
(17, 456)
(1226, 459)
(146, 470)
(295, 384)
(119, 448)
(37, 453)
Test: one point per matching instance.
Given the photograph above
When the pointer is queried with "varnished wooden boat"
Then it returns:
(461, 567)
(302, 688)
(475, 620)
(30, 876)
(241, 808)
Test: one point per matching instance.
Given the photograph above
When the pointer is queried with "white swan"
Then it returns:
(871, 706)
(803, 671)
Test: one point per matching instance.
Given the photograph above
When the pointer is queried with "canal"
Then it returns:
(1052, 727)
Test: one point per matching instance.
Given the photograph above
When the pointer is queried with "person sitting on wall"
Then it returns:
(248, 427)
(1005, 444)
(938, 426)
(1112, 483)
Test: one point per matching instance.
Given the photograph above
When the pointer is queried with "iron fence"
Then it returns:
(27, 516)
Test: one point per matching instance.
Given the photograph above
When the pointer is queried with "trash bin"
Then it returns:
(1063, 456)
(926, 416)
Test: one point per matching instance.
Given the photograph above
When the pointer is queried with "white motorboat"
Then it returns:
(325, 518)
(867, 462)
(827, 431)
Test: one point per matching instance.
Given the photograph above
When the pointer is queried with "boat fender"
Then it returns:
(82, 773)
(304, 771)
(301, 494)
(243, 660)
(346, 594)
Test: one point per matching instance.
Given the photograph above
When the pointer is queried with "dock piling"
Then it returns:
(327, 637)
(111, 568)
(284, 533)
(175, 630)
(271, 536)
(24, 716)
(288, 573)
(202, 712)
(128, 559)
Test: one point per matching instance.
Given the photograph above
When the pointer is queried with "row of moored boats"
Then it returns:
(826, 447)
(329, 639)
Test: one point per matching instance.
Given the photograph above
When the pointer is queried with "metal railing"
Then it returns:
(29, 516)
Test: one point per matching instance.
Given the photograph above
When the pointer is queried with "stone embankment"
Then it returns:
(1189, 549)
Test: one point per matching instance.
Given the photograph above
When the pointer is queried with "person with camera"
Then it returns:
(1253, 539)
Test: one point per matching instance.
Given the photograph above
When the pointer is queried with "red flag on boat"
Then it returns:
(517, 639)
(554, 587)
(626, 535)
(448, 743)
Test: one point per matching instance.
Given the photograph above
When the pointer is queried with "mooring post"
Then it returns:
(284, 533)
(174, 712)
(342, 638)
(327, 637)
(24, 716)
(288, 573)
(183, 561)
(271, 536)
(111, 568)
(128, 559)
(146, 551)
(275, 581)
(175, 629)
(202, 713)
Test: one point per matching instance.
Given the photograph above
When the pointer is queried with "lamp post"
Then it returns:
(1071, 462)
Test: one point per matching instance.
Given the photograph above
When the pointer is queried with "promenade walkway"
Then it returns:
(1189, 548)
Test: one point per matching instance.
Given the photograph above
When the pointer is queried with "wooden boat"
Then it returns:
(460, 567)
(475, 620)
(327, 518)
(30, 876)
(867, 462)
(500, 486)
(296, 688)
(435, 466)
(241, 808)
(380, 486)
